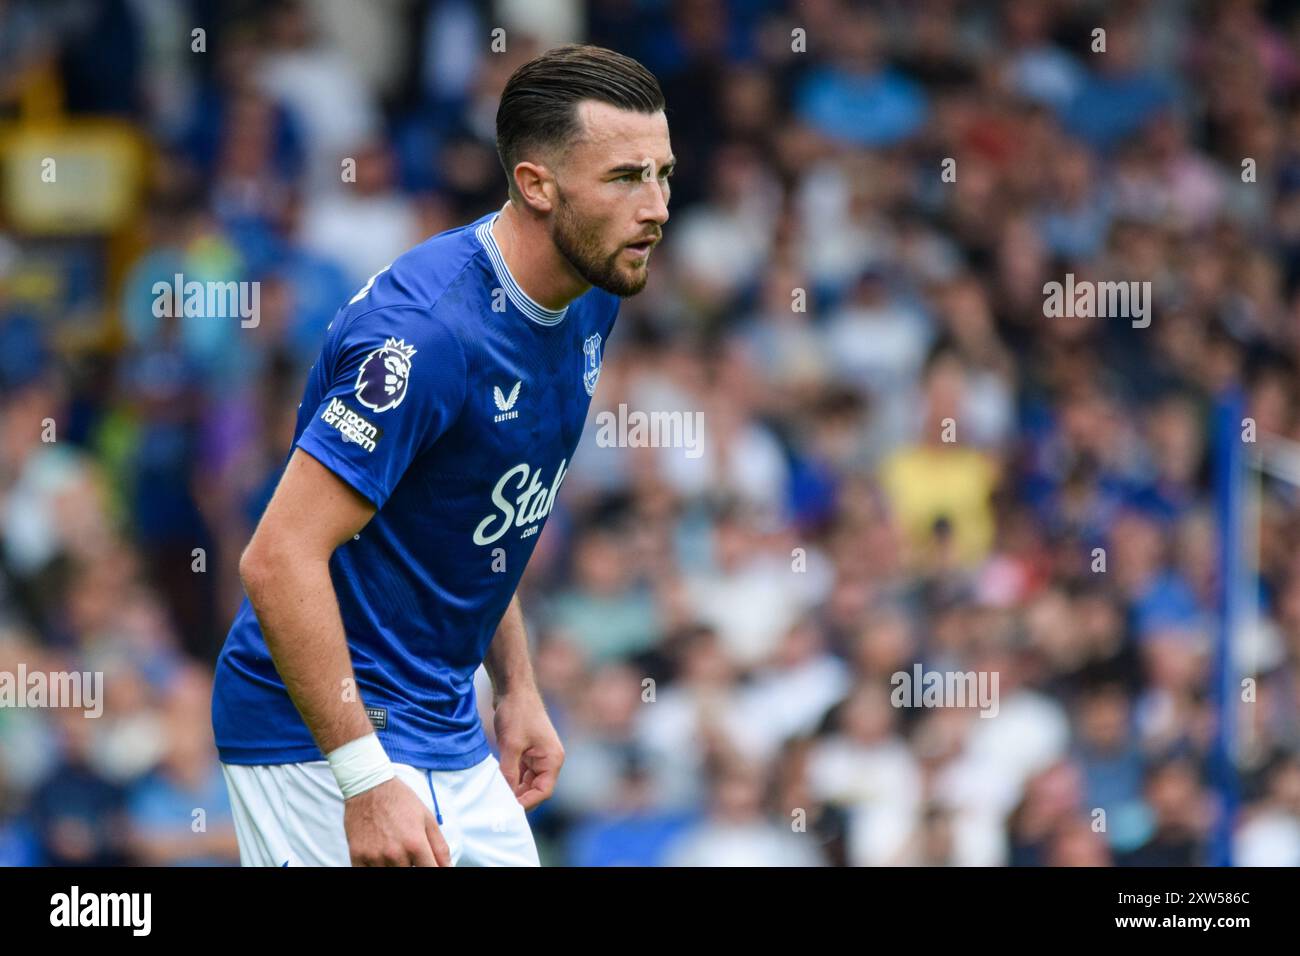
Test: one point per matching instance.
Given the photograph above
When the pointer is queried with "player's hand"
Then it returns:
(531, 753)
(389, 826)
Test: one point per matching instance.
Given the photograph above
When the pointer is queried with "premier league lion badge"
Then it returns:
(381, 383)
(591, 362)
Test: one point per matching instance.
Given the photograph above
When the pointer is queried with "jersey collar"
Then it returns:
(522, 300)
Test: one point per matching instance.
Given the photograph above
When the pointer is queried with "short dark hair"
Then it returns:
(539, 105)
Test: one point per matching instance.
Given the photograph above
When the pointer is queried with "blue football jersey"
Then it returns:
(453, 402)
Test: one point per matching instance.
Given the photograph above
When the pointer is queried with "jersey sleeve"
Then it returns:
(395, 382)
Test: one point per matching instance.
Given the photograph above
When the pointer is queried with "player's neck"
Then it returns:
(536, 265)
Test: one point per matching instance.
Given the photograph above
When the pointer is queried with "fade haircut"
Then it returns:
(538, 110)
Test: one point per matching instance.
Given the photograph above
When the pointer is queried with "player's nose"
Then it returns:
(657, 211)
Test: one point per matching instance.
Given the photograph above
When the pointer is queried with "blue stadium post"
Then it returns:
(1229, 474)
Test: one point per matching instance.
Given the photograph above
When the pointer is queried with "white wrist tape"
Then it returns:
(360, 765)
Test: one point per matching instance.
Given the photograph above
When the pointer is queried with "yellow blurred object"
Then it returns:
(925, 483)
(80, 177)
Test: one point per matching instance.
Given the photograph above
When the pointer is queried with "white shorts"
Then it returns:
(292, 814)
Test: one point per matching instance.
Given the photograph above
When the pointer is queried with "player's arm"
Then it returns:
(531, 752)
(507, 661)
(285, 572)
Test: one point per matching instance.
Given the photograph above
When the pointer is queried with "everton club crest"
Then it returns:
(591, 362)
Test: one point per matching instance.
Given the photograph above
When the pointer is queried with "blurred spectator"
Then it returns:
(179, 815)
(1180, 818)
(737, 833)
(79, 816)
(1271, 837)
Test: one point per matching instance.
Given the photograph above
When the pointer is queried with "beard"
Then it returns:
(589, 260)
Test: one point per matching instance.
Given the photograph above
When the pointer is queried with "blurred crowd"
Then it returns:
(903, 459)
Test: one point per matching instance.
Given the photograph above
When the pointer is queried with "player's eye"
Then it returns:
(639, 177)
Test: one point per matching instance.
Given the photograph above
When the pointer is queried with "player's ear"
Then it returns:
(536, 186)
